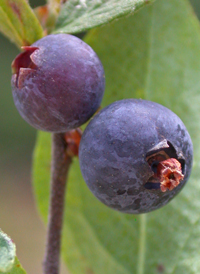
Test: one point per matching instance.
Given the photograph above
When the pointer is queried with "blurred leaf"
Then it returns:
(196, 5)
(151, 55)
(16, 269)
(8, 29)
(54, 5)
(41, 172)
(9, 263)
(7, 252)
(19, 23)
(81, 15)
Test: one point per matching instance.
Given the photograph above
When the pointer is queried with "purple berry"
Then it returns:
(135, 155)
(57, 83)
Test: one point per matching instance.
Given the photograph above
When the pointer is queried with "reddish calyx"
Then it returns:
(169, 173)
(23, 64)
(73, 138)
(23, 60)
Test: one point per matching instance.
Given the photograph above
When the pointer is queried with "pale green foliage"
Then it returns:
(9, 263)
(16, 269)
(81, 15)
(54, 5)
(7, 252)
(151, 55)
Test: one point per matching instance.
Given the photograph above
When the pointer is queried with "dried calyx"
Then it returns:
(169, 173)
(167, 167)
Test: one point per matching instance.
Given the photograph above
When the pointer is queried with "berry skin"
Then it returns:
(57, 83)
(135, 155)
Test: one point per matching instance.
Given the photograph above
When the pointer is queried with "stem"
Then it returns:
(142, 240)
(59, 170)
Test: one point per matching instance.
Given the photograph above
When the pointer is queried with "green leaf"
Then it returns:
(19, 23)
(8, 29)
(151, 55)
(77, 16)
(9, 263)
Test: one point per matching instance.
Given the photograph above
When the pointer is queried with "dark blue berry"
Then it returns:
(135, 155)
(57, 83)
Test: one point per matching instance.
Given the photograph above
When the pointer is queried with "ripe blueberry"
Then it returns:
(57, 83)
(135, 155)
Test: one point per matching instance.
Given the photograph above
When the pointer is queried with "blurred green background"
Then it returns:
(18, 214)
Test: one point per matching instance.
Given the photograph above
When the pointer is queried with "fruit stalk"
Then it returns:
(59, 170)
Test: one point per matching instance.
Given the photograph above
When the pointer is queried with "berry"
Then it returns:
(57, 83)
(135, 155)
